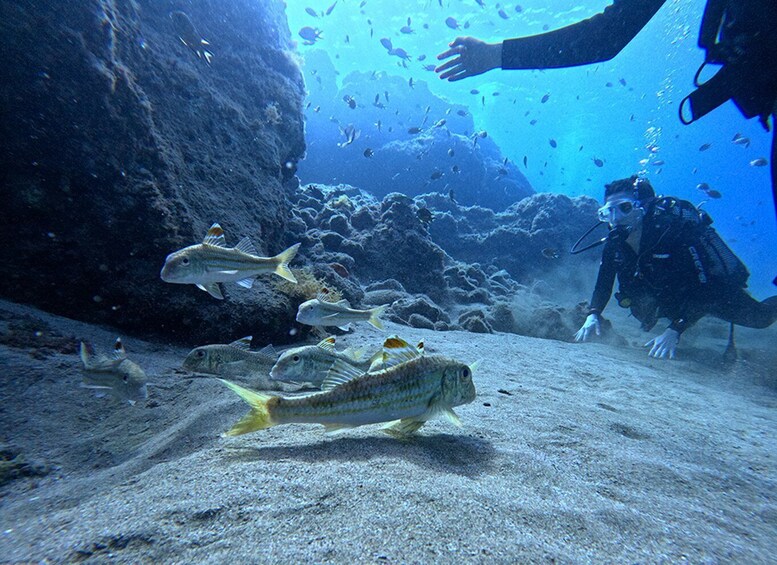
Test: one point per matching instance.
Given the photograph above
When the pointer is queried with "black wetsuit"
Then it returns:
(674, 276)
(751, 82)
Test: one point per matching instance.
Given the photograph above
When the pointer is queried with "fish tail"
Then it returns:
(374, 313)
(86, 355)
(258, 418)
(284, 258)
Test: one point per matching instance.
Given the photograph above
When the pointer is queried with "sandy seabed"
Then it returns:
(570, 453)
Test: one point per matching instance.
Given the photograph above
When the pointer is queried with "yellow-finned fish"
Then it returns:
(117, 375)
(310, 364)
(320, 312)
(211, 262)
(411, 389)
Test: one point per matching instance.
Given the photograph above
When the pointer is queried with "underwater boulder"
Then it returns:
(140, 144)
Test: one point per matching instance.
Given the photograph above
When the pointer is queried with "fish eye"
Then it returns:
(200, 354)
(125, 378)
(185, 261)
(295, 358)
(466, 373)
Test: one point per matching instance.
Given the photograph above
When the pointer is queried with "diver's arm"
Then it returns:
(604, 281)
(596, 39)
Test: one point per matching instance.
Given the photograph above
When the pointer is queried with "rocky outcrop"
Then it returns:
(121, 145)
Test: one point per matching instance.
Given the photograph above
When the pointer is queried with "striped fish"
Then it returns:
(211, 262)
(411, 389)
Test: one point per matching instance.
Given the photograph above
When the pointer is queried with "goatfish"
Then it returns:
(211, 262)
(409, 391)
(117, 375)
(236, 360)
(189, 36)
(310, 364)
(320, 312)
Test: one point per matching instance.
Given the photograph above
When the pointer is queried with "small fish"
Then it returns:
(429, 67)
(474, 91)
(705, 146)
(503, 14)
(598, 162)
(412, 389)
(311, 12)
(455, 169)
(436, 175)
(712, 193)
(525, 161)
(421, 58)
(117, 375)
(544, 98)
(348, 99)
(739, 140)
(461, 113)
(658, 162)
(703, 186)
(608, 85)
(399, 52)
(439, 123)
(532, 122)
(551, 253)
(451, 152)
(320, 312)
(407, 30)
(351, 134)
(189, 36)
(310, 364)
(329, 10)
(310, 35)
(452, 196)
(340, 269)
(425, 216)
(760, 162)
(413, 130)
(410, 82)
(236, 360)
(553, 143)
(211, 262)
(369, 152)
(622, 81)
(452, 23)
(386, 42)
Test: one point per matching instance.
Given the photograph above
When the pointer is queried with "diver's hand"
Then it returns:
(471, 57)
(664, 345)
(590, 325)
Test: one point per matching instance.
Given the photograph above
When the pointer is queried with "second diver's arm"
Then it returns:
(596, 39)
(604, 281)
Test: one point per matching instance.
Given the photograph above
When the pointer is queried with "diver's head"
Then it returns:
(624, 202)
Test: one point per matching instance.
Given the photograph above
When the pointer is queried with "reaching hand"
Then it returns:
(664, 345)
(472, 57)
(591, 324)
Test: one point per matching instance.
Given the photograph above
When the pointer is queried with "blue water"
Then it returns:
(657, 67)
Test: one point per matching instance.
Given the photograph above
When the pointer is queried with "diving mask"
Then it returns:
(617, 212)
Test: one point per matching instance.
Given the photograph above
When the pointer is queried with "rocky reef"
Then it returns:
(123, 143)
(444, 266)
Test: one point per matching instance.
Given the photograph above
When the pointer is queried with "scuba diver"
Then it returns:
(740, 35)
(670, 263)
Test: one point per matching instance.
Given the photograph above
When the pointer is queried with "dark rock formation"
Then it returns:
(529, 239)
(120, 146)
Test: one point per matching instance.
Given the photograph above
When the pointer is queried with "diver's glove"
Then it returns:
(664, 345)
(590, 326)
